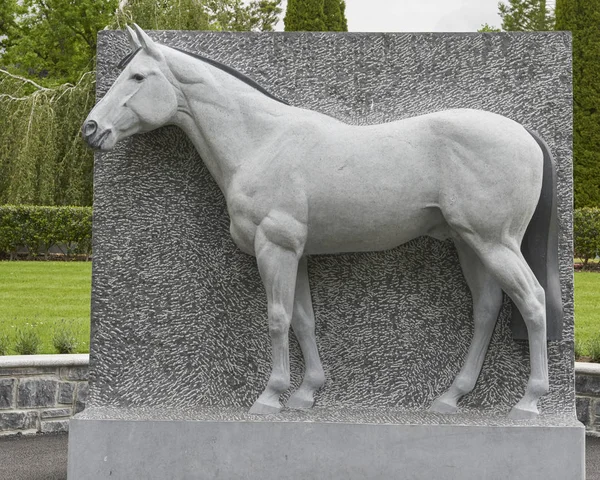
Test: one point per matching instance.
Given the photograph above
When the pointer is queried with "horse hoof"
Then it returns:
(300, 402)
(439, 406)
(520, 413)
(260, 408)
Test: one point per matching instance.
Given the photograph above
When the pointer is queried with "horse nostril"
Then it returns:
(89, 128)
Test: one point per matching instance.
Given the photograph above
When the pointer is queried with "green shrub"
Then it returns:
(586, 233)
(64, 339)
(38, 228)
(27, 341)
(4, 344)
(594, 348)
(579, 348)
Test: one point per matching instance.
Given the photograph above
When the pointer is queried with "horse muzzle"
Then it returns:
(92, 136)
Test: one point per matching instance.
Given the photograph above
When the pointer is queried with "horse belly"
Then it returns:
(346, 230)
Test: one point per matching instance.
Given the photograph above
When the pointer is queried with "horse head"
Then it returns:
(142, 98)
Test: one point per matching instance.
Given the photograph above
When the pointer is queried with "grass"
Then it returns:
(45, 297)
(53, 298)
(587, 310)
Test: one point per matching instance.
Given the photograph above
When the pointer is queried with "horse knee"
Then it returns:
(279, 320)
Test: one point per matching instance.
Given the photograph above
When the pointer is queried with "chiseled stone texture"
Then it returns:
(179, 313)
(36, 393)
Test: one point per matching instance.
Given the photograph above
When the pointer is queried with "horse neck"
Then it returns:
(226, 120)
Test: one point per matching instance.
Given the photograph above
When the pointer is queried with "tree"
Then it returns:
(52, 39)
(489, 28)
(526, 16)
(305, 15)
(582, 18)
(334, 12)
(223, 15)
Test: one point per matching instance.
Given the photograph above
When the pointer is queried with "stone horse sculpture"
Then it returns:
(299, 183)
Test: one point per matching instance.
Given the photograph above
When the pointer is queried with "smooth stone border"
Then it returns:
(57, 360)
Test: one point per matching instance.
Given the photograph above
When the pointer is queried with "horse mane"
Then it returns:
(225, 68)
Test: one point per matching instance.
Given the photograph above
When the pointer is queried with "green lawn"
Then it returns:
(46, 296)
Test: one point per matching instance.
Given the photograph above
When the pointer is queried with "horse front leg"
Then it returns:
(278, 247)
(303, 324)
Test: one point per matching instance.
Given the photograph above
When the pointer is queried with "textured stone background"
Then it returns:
(179, 314)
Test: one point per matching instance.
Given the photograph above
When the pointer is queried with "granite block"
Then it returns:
(186, 325)
(18, 420)
(7, 392)
(65, 392)
(37, 393)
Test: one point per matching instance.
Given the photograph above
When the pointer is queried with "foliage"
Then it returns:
(64, 338)
(335, 18)
(582, 18)
(579, 348)
(42, 158)
(27, 340)
(4, 344)
(49, 45)
(586, 233)
(37, 227)
(526, 15)
(53, 40)
(489, 28)
(305, 15)
(593, 348)
(226, 15)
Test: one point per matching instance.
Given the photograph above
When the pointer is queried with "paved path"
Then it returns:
(44, 457)
(37, 457)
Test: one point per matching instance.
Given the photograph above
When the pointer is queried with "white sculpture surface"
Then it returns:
(299, 183)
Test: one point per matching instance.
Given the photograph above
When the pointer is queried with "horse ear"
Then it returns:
(147, 43)
(133, 40)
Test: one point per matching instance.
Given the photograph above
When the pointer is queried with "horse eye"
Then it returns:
(138, 77)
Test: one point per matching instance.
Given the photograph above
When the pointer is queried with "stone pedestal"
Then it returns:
(337, 445)
(179, 313)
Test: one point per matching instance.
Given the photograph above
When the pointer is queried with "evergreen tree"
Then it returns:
(526, 16)
(335, 20)
(343, 13)
(304, 15)
(582, 18)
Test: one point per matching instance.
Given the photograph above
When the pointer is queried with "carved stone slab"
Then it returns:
(179, 315)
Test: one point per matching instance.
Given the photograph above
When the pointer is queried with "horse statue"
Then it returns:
(298, 183)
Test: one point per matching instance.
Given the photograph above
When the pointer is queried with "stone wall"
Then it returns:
(587, 387)
(39, 393)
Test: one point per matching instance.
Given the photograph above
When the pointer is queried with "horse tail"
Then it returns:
(540, 249)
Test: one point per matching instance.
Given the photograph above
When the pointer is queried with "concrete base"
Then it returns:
(201, 449)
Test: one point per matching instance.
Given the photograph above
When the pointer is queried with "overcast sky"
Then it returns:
(419, 15)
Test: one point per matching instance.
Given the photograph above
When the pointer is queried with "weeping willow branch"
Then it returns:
(23, 79)
(43, 160)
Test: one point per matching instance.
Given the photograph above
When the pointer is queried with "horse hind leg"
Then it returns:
(278, 266)
(487, 300)
(303, 324)
(507, 265)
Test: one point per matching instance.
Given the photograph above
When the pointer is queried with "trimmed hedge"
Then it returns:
(586, 233)
(39, 228)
